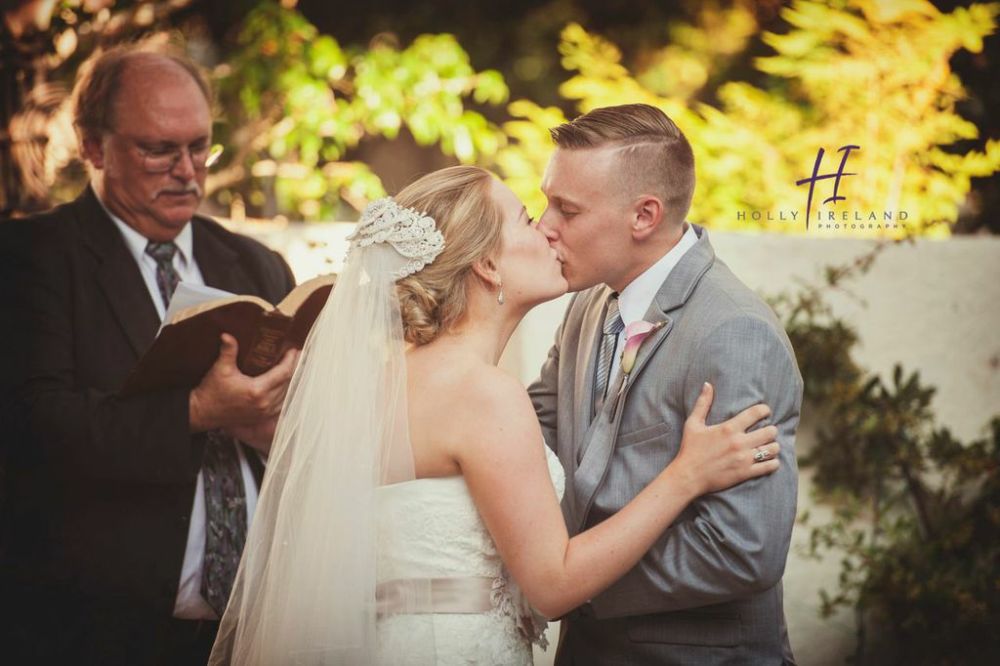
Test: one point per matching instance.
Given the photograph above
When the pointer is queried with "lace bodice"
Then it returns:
(442, 536)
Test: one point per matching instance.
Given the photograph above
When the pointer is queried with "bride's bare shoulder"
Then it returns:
(496, 408)
(495, 388)
(480, 392)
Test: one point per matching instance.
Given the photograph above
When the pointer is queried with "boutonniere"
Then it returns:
(635, 334)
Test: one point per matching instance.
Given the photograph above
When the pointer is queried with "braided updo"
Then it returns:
(459, 200)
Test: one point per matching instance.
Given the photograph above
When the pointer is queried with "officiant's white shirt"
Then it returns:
(635, 299)
(189, 604)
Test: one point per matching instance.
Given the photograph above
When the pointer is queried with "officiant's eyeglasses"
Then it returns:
(161, 159)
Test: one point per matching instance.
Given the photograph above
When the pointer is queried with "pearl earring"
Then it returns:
(500, 298)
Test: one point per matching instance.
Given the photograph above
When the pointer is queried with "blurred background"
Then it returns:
(889, 295)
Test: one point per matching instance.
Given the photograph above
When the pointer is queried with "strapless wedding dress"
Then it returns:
(436, 535)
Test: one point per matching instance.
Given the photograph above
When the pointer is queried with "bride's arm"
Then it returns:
(505, 468)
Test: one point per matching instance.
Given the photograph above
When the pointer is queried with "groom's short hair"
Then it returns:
(655, 154)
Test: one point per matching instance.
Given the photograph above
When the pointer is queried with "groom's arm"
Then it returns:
(733, 543)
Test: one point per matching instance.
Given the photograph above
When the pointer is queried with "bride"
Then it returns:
(410, 512)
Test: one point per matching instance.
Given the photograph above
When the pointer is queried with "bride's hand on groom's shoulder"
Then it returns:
(720, 456)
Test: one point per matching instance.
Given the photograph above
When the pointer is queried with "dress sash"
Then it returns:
(434, 595)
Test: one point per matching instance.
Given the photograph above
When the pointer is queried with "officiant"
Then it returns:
(125, 517)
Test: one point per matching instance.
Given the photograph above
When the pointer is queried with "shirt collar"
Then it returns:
(636, 298)
(137, 243)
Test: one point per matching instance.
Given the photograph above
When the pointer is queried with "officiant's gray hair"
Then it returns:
(100, 79)
(655, 155)
(459, 199)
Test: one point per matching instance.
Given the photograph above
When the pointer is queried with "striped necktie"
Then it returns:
(166, 275)
(613, 325)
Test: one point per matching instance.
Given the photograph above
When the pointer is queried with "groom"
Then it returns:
(709, 591)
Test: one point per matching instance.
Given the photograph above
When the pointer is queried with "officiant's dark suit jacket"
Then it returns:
(98, 488)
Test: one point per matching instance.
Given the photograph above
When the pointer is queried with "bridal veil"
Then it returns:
(305, 592)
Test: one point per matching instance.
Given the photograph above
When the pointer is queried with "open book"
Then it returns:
(189, 339)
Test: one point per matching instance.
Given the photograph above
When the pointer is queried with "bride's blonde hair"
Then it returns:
(459, 200)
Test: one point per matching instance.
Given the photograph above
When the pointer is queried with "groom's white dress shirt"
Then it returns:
(189, 604)
(635, 299)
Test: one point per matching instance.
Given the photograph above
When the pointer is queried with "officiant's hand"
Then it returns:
(227, 398)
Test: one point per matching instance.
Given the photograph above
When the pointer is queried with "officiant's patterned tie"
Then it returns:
(225, 496)
(226, 519)
(613, 325)
(166, 275)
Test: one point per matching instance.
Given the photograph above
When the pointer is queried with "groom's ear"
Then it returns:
(487, 271)
(646, 216)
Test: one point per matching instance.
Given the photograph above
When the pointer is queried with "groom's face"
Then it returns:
(586, 217)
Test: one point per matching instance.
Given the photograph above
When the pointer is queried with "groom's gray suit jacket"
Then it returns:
(709, 590)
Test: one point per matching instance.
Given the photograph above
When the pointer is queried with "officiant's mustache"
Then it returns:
(189, 188)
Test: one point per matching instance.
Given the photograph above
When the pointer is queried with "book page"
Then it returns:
(296, 297)
(188, 295)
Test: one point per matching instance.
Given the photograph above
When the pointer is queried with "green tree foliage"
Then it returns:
(873, 74)
(297, 102)
(292, 103)
(523, 158)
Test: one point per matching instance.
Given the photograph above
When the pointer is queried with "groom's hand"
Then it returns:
(227, 398)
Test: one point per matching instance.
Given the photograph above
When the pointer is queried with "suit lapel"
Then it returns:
(583, 381)
(598, 442)
(599, 445)
(646, 351)
(219, 264)
(681, 282)
(673, 294)
(118, 274)
(121, 280)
